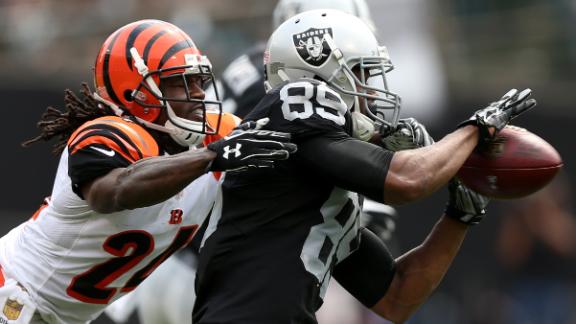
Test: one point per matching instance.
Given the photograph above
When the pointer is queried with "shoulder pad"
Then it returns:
(227, 123)
(122, 135)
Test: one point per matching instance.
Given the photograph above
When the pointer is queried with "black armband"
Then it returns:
(367, 273)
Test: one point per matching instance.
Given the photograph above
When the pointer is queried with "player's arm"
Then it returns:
(414, 174)
(111, 175)
(394, 289)
(146, 182)
(383, 175)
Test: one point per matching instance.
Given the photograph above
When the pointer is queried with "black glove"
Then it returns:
(498, 114)
(464, 204)
(409, 134)
(250, 147)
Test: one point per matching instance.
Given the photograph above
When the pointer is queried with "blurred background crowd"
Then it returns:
(451, 57)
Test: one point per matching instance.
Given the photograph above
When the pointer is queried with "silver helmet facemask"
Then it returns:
(370, 87)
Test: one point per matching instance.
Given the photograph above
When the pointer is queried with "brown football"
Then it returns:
(515, 164)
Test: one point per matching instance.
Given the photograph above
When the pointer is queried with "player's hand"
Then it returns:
(492, 119)
(250, 147)
(465, 205)
(409, 134)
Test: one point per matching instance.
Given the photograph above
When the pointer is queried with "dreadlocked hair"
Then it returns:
(61, 124)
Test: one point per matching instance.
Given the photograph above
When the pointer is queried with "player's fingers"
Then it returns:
(266, 155)
(253, 125)
(518, 98)
(524, 94)
(271, 144)
(260, 163)
(511, 93)
(522, 108)
(262, 122)
(271, 135)
(290, 147)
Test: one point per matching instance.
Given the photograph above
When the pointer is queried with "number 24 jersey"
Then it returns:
(73, 260)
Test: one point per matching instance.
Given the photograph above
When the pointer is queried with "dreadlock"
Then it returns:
(56, 123)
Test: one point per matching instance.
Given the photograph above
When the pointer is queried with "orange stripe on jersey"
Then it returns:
(143, 142)
(227, 124)
(2, 280)
(131, 155)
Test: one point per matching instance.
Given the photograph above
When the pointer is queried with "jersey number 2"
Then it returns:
(130, 248)
(297, 104)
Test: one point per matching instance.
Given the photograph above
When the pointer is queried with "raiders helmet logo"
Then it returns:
(312, 46)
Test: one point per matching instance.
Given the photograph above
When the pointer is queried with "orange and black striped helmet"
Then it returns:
(131, 62)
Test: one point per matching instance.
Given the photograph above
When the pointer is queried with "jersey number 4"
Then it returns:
(301, 100)
(130, 248)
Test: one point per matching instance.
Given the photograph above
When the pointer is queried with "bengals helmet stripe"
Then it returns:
(173, 50)
(132, 39)
(151, 42)
(106, 68)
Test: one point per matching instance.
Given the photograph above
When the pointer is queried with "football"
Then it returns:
(515, 164)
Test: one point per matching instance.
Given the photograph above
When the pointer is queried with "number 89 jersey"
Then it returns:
(274, 235)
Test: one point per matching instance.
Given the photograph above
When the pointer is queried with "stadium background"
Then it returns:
(451, 57)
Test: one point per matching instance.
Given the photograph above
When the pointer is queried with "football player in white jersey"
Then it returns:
(139, 167)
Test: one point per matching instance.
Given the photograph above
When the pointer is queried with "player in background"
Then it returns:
(271, 248)
(139, 167)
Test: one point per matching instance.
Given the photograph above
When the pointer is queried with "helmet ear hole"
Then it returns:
(128, 95)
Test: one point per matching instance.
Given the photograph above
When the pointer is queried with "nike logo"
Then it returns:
(109, 152)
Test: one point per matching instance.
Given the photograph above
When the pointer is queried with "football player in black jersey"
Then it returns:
(275, 236)
(242, 87)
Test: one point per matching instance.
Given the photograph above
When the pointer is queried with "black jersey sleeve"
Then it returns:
(347, 162)
(104, 144)
(318, 121)
(367, 273)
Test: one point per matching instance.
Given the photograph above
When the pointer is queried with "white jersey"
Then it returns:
(74, 261)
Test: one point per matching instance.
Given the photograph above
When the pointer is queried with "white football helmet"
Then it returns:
(341, 50)
(288, 8)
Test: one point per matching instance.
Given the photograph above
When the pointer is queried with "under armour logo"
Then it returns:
(235, 150)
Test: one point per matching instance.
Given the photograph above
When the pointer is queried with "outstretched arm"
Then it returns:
(414, 174)
(394, 289)
(153, 180)
(420, 271)
(146, 182)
